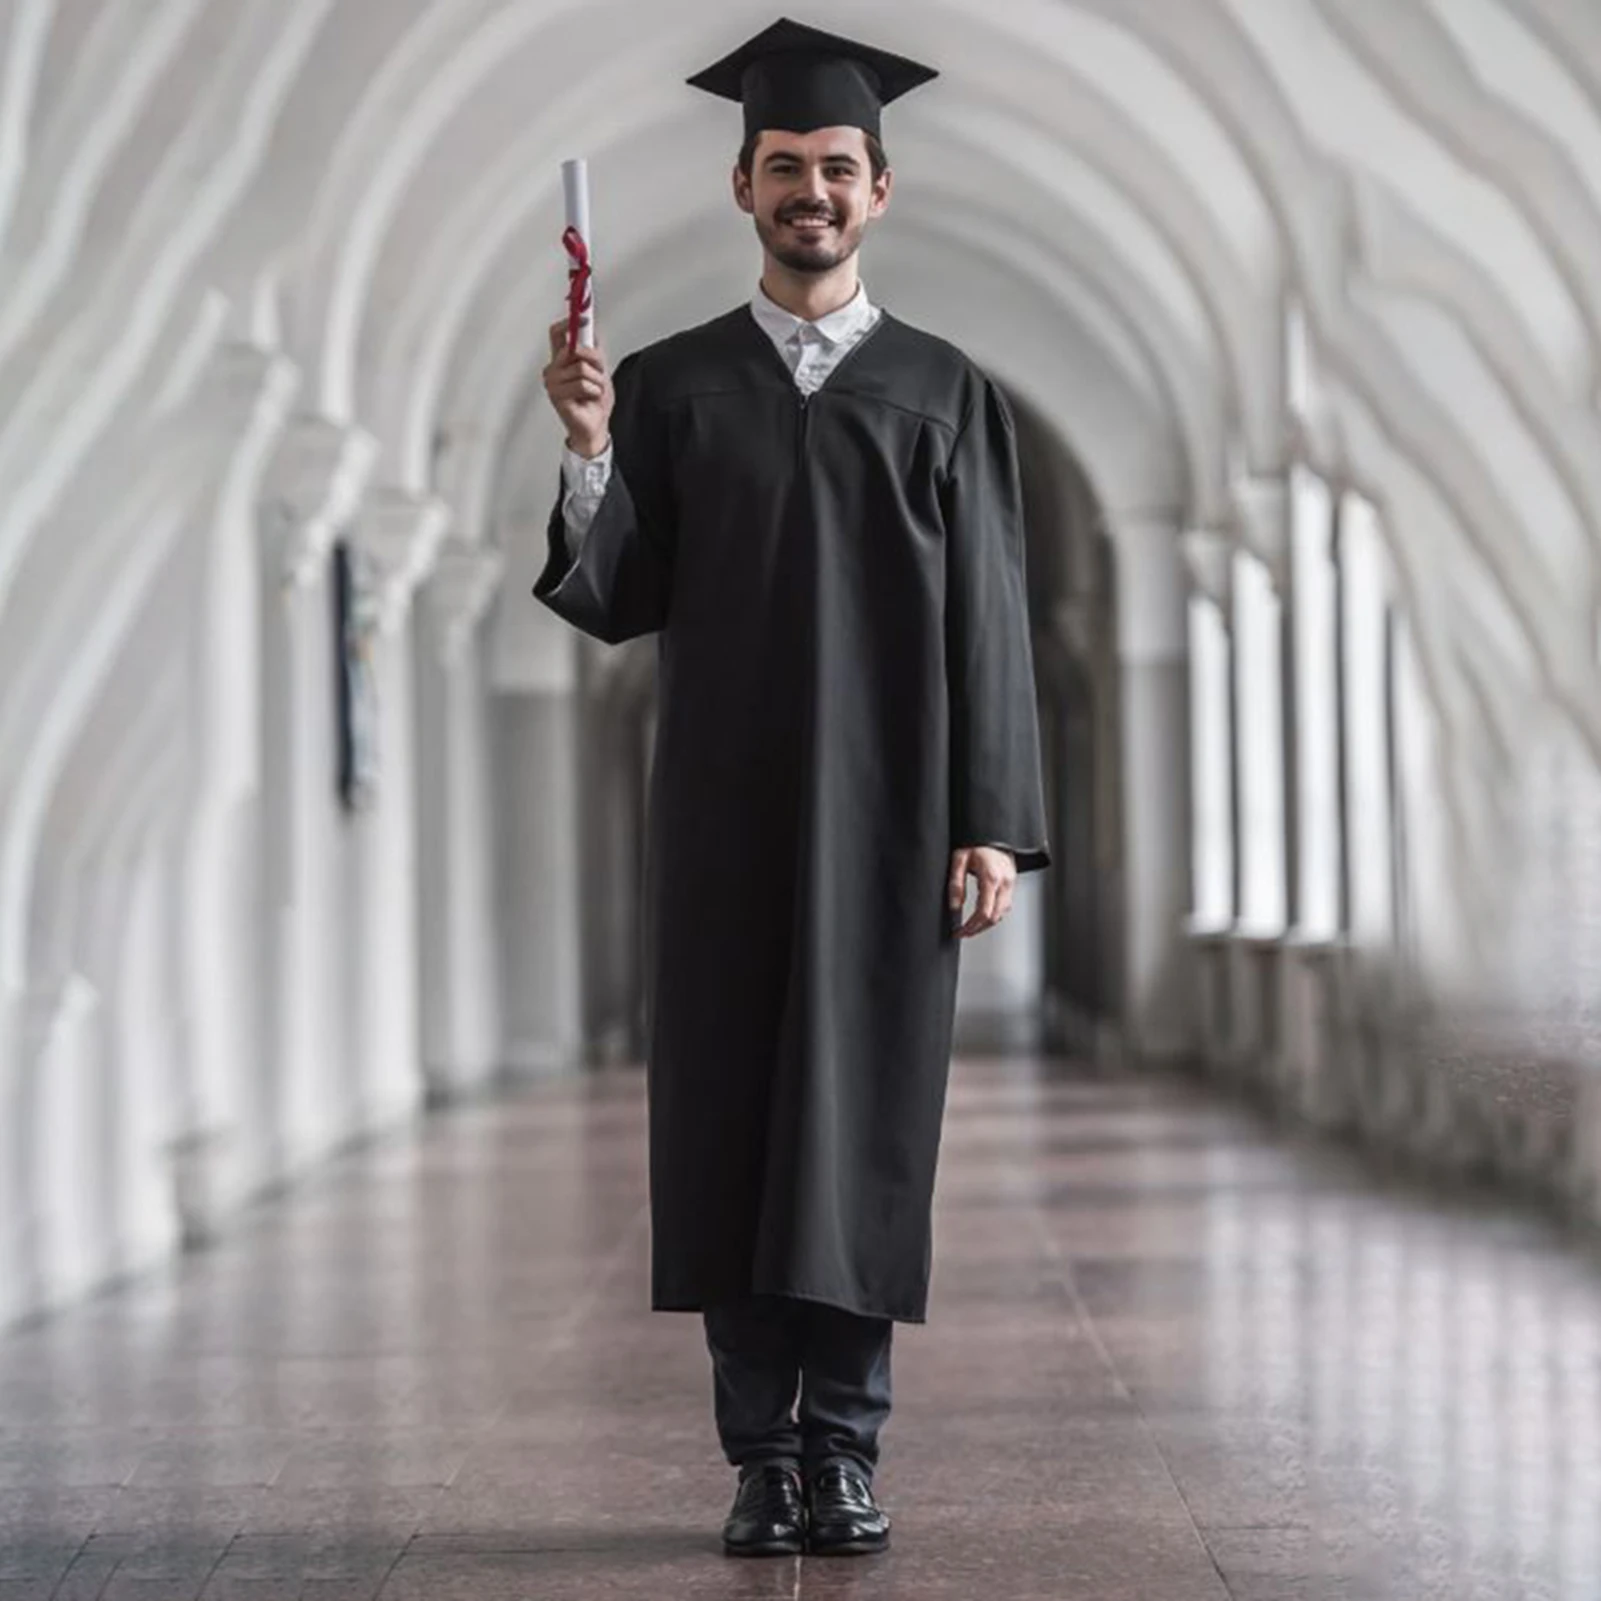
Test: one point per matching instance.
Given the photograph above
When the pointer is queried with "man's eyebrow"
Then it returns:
(842, 158)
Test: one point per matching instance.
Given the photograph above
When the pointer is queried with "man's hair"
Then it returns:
(876, 158)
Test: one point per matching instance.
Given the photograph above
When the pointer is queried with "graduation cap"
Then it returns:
(798, 78)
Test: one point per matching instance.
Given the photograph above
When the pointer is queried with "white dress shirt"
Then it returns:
(811, 350)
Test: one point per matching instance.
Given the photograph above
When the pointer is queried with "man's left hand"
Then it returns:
(996, 872)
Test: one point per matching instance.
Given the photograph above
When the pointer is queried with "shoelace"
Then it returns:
(837, 1484)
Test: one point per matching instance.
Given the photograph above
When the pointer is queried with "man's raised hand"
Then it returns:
(580, 389)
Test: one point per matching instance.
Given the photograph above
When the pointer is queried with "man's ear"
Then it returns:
(881, 189)
(743, 197)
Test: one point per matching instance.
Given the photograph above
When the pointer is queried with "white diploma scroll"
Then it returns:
(575, 187)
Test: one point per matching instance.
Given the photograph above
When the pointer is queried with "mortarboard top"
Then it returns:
(798, 78)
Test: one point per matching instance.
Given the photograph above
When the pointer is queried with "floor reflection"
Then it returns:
(1170, 1355)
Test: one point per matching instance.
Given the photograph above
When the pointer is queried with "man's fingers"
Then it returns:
(581, 360)
(989, 890)
(994, 902)
(558, 344)
(571, 383)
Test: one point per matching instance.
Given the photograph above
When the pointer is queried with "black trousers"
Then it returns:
(797, 1381)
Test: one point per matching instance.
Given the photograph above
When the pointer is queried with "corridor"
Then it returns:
(1170, 1358)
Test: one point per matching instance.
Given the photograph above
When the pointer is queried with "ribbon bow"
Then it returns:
(579, 298)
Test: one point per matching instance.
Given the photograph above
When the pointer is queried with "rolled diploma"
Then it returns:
(575, 187)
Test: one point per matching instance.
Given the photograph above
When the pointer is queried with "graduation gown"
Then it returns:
(846, 695)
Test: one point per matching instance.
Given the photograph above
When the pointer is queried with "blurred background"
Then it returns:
(312, 818)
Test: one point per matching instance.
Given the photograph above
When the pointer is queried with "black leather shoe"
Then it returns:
(768, 1517)
(842, 1518)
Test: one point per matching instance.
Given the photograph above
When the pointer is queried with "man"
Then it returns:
(815, 507)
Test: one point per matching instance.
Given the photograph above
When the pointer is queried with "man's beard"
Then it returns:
(815, 256)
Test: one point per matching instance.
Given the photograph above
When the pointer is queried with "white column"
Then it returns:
(1208, 558)
(1365, 582)
(312, 491)
(399, 536)
(1151, 630)
(1209, 563)
(218, 844)
(1257, 583)
(1317, 899)
(460, 977)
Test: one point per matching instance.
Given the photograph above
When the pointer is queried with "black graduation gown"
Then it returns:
(846, 695)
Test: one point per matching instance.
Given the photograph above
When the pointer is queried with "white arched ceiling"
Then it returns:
(624, 81)
(1403, 45)
(1526, 71)
(86, 355)
(1139, 168)
(456, 44)
(1353, 120)
(1571, 31)
(1267, 123)
(1148, 216)
(445, 74)
(85, 120)
(1399, 253)
(528, 87)
(1559, 551)
(24, 39)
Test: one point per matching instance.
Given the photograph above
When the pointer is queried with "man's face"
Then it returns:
(812, 195)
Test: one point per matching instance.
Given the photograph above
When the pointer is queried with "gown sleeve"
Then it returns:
(615, 586)
(996, 791)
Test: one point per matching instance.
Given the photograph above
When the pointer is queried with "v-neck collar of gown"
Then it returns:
(776, 325)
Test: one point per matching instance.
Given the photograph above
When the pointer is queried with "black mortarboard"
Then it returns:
(798, 78)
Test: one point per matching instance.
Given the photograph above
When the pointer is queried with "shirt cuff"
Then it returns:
(586, 473)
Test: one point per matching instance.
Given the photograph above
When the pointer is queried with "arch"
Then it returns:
(82, 134)
(1427, 73)
(22, 45)
(86, 618)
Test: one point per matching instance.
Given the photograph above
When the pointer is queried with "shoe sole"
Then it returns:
(773, 1548)
(867, 1547)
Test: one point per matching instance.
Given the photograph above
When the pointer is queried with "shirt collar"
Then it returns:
(837, 325)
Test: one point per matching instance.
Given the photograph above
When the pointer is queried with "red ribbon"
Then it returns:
(579, 298)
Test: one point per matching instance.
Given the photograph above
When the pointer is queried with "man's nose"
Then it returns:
(815, 186)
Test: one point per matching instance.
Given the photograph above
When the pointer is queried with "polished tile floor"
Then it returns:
(1170, 1358)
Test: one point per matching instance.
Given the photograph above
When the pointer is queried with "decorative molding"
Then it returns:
(1208, 561)
(248, 393)
(464, 579)
(312, 489)
(400, 534)
(51, 1006)
(1261, 522)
